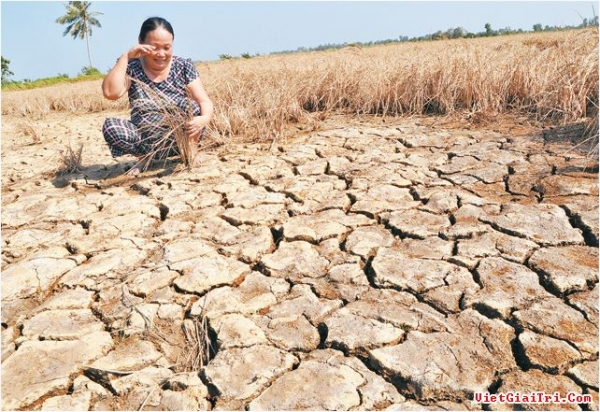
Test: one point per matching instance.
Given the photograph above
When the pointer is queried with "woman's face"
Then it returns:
(162, 41)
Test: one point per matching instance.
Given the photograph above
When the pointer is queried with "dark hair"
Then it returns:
(152, 24)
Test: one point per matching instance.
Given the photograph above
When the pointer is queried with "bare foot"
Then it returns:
(139, 167)
(134, 171)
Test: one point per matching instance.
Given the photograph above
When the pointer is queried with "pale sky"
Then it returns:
(33, 41)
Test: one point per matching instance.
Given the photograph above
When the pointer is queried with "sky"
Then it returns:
(34, 44)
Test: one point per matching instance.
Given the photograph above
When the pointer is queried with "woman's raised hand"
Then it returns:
(139, 50)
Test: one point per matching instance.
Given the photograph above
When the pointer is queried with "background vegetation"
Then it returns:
(87, 73)
(451, 33)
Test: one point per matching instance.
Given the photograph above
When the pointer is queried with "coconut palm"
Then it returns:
(80, 21)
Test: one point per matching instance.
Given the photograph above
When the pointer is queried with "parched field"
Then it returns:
(398, 227)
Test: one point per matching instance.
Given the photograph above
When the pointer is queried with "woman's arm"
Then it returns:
(116, 82)
(194, 127)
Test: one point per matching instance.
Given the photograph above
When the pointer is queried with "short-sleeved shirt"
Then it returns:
(181, 73)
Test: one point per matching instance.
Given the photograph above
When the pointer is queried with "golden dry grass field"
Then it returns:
(547, 77)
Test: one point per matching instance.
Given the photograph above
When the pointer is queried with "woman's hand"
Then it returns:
(139, 50)
(194, 127)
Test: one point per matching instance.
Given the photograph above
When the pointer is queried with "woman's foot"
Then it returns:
(142, 164)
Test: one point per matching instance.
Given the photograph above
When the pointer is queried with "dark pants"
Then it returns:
(141, 135)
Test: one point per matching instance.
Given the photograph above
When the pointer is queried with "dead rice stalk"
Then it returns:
(27, 130)
(199, 348)
(590, 140)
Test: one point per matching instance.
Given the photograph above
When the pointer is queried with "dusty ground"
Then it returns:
(397, 264)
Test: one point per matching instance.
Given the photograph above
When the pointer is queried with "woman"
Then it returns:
(147, 70)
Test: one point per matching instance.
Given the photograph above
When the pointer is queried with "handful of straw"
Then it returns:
(166, 128)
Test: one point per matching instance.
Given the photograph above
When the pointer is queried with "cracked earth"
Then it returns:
(366, 266)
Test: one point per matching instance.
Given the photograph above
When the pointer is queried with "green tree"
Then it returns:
(488, 29)
(458, 32)
(80, 20)
(438, 35)
(5, 70)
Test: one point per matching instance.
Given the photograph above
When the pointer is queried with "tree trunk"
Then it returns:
(87, 40)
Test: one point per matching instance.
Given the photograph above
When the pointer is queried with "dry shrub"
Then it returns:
(551, 76)
(70, 160)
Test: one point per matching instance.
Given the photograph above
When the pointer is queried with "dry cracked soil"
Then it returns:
(374, 265)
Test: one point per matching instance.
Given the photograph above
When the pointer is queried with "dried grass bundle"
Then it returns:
(165, 134)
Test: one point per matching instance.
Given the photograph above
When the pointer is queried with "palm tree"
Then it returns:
(80, 21)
